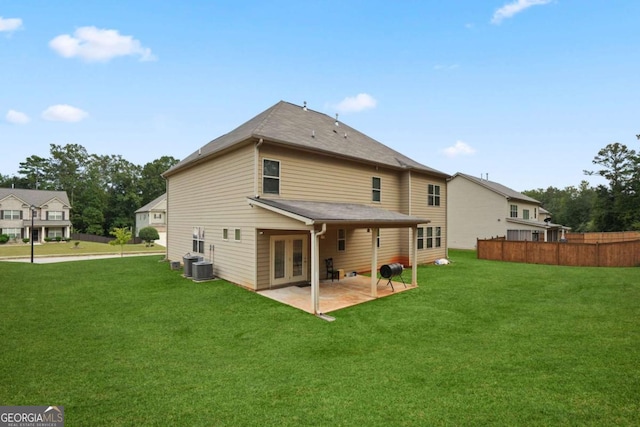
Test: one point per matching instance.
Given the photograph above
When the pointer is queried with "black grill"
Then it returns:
(389, 271)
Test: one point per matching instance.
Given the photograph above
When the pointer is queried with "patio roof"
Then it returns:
(311, 212)
(537, 224)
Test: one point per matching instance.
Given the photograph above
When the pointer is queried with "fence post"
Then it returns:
(597, 254)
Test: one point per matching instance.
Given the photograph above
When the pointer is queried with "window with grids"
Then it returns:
(513, 213)
(376, 189)
(420, 238)
(525, 214)
(438, 237)
(55, 216)
(11, 214)
(429, 237)
(13, 233)
(198, 240)
(270, 176)
(342, 239)
(433, 197)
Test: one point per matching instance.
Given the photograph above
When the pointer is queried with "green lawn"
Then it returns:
(70, 248)
(127, 341)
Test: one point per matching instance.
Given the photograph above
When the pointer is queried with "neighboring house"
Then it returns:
(49, 210)
(269, 201)
(154, 214)
(481, 209)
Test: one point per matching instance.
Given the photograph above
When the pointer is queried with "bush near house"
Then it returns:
(149, 235)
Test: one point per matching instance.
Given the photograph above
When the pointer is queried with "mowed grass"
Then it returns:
(127, 341)
(21, 250)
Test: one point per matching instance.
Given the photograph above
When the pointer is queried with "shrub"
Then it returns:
(47, 239)
(149, 234)
(25, 240)
(4, 238)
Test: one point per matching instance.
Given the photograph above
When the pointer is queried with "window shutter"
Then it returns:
(47, 215)
(21, 214)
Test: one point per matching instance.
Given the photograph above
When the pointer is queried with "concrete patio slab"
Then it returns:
(334, 295)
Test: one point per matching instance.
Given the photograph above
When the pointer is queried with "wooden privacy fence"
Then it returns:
(618, 254)
(604, 237)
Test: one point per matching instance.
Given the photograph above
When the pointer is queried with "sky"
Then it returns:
(525, 92)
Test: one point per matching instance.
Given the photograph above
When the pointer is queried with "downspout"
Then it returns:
(315, 269)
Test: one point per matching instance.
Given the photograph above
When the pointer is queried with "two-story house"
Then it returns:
(154, 214)
(269, 201)
(482, 209)
(48, 210)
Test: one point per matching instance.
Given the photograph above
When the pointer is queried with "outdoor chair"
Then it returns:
(330, 270)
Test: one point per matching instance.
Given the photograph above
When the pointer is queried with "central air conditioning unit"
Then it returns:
(202, 270)
(188, 261)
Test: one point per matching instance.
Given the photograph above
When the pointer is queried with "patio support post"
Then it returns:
(315, 269)
(414, 255)
(374, 262)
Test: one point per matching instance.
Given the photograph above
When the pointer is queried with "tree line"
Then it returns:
(104, 190)
(611, 207)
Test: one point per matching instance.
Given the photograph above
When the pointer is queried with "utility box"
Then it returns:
(341, 273)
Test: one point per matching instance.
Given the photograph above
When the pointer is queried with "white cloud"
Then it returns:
(16, 117)
(10, 24)
(460, 148)
(360, 102)
(64, 113)
(98, 45)
(510, 9)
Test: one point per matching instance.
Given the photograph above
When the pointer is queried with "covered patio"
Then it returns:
(336, 295)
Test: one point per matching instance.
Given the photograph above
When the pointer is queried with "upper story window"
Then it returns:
(433, 198)
(525, 214)
(11, 214)
(513, 211)
(157, 216)
(535, 213)
(270, 176)
(376, 189)
(55, 215)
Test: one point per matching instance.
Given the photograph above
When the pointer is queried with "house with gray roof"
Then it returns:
(48, 210)
(154, 214)
(482, 209)
(270, 201)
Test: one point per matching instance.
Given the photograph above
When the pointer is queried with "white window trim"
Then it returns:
(341, 239)
(271, 177)
(379, 190)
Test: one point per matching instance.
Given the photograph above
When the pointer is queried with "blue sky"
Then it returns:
(526, 91)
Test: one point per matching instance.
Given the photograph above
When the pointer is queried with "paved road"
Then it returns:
(51, 259)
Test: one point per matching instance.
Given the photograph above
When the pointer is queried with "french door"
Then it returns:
(289, 259)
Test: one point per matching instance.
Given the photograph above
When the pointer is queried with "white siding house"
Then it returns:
(482, 209)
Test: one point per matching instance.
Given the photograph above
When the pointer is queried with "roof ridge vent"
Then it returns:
(337, 122)
(304, 106)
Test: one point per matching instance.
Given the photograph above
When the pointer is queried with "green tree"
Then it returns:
(122, 237)
(149, 235)
(616, 207)
(152, 184)
(34, 170)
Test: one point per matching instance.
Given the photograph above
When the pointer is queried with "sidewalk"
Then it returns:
(52, 259)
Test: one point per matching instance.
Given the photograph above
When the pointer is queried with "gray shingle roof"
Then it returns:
(35, 197)
(329, 212)
(152, 204)
(292, 125)
(498, 188)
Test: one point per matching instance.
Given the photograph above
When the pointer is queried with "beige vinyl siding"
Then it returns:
(306, 176)
(213, 195)
(436, 214)
(474, 212)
